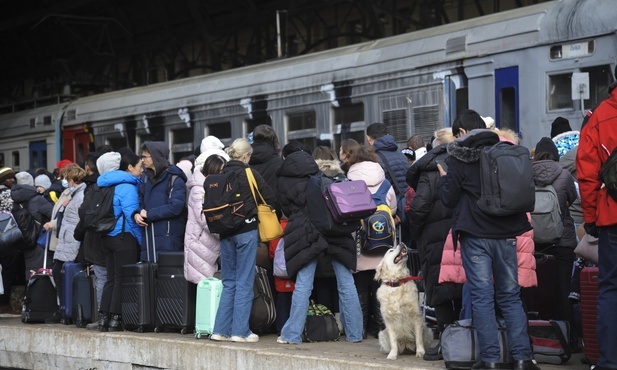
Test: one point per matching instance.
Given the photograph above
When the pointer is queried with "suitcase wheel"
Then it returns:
(140, 329)
(183, 331)
(197, 335)
(156, 329)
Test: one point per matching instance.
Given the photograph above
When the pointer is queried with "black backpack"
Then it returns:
(223, 204)
(318, 212)
(99, 214)
(506, 179)
(29, 226)
(608, 174)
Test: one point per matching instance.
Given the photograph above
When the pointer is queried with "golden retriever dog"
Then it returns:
(400, 308)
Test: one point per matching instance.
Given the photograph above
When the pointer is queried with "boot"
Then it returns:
(103, 321)
(115, 324)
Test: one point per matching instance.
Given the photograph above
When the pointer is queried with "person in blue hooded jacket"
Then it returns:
(121, 245)
(163, 203)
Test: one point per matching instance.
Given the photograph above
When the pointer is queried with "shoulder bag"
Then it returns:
(268, 224)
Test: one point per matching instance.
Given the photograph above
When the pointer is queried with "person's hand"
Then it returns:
(442, 172)
(140, 220)
(48, 226)
(591, 229)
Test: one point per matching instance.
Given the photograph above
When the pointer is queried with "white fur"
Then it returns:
(400, 308)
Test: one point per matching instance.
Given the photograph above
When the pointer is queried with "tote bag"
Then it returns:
(268, 224)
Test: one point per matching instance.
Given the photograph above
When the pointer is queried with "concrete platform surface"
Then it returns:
(57, 346)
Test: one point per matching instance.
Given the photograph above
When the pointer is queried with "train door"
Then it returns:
(456, 94)
(506, 98)
(76, 143)
(38, 154)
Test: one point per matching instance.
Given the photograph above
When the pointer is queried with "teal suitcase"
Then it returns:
(208, 297)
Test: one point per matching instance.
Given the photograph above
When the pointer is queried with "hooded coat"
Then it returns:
(266, 161)
(126, 201)
(165, 203)
(549, 172)
(460, 190)
(303, 242)
(67, 247)
(201, 248)
(373, 175)
(397, 161)
(30, 198)
(430, 222)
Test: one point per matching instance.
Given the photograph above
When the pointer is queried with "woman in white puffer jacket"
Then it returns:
(201, 248)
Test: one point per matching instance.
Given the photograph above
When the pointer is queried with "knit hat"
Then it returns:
(24, 178)
(42, 181)
(409, 153)
(6, 202)
(560, 125)
(108, 162)
(546, 145)
(211, 142)
(63, 163)
(489, 121)
(5, 174)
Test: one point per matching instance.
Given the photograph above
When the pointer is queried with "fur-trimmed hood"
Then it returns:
(330, 168)
(468, 148)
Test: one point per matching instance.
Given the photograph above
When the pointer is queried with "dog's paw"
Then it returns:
(392, 356)
(420, 353)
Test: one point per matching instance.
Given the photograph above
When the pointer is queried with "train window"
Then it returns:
(181, 143)
(1, 159)
(396, 122)
(15, 158)
(426, 120)
(47, 120)
(507, 113)
(302, 127)
(349, 123)
(560, 88)
(221, 130)
(32, 122)
(575, 50)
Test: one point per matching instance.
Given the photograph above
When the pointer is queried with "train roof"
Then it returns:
(544, 23)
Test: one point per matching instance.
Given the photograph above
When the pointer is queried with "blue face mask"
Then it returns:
(65, 183)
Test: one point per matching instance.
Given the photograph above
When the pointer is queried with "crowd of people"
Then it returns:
(433, 195)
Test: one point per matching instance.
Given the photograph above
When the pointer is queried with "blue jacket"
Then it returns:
(126, 200)
(397, 161)
(167, 211)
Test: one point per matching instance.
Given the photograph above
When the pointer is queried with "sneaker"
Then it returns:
(219, 338)
(92, 326)
(280, 340)
(433, 354)
(252, 338)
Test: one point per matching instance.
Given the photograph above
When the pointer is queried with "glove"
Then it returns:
(591, 229)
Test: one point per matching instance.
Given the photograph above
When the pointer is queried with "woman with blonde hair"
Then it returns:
(238, 251)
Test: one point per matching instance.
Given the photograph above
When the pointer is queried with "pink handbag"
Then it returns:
(349, 200)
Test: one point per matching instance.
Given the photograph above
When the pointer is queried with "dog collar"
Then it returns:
(394, 284)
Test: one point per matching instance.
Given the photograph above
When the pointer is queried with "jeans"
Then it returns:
(238, 255)
(101, 278)
(466, 310)
(607, 297)
(119, 250)
(487, 261)
(351, 313)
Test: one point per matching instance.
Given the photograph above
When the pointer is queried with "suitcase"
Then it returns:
(41, 300)
(589, 312)
(542, 302)
(69, 269)
(207, 303)
(138, 303)
(85, 305)
(263, 312)
(349, 200)
(175, 297)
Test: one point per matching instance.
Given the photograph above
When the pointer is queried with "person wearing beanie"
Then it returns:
(108, 162)
(24, 178)
(42, 183)
(7, 177)
(212, 143)
(548, 171)
(559, 126)
(62, 163)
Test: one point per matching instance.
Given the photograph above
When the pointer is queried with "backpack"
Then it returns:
(223, 204)
(546, 216)
(10, 234)
(377, 231)
(279, 264)
(320, 325)
(99, 214)
(506, 179)
(28, 225)
(608, 174)
(318, 212)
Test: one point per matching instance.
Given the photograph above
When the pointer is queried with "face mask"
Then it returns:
(65, 183)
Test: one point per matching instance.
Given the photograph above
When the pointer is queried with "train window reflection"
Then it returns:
(507, 114)
(560, 91)
(560, 88)
(301, 121)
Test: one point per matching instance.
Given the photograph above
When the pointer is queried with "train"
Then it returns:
(523, 67)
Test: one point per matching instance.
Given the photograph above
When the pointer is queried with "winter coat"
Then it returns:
(568, 161)
(91, 244)
(597, 141)
(201, 248)
(397, 161)
(126, 201)
(460, 189)
(429, 223)
(67, 247)
(373, 175)
(56, 212)
(266, 161)
(303, 242)
(165, 203)
(29, 197)
(549, 172)
(452, 270)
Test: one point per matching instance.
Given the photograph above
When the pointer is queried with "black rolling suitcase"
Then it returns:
(542, 302)
(41, 301)
(175, 297)
(85, 305)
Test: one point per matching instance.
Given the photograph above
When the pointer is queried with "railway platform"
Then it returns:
(57, 346)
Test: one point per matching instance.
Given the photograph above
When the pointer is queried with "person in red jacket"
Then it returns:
(597, 142)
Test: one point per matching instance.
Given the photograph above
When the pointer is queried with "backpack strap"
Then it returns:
(381, 195)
